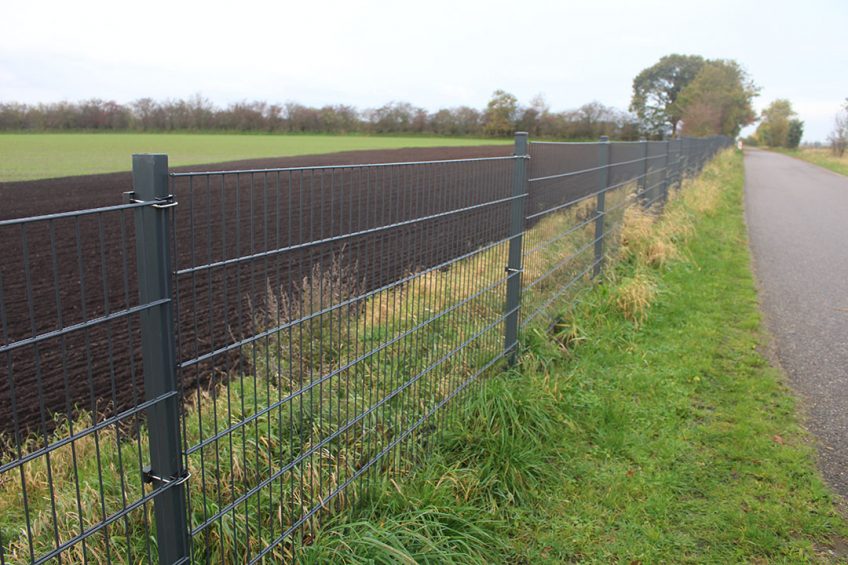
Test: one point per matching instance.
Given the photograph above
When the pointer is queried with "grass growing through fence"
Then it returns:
(649, 428)
(821, 157)
(48, 155)
(316, 344)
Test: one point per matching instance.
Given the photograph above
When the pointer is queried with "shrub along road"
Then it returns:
(798, 224)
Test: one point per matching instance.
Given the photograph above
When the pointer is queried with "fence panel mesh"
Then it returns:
(74, 443)
(335, 309)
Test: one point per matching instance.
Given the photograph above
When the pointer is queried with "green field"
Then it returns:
(48, 155)
(821, 157)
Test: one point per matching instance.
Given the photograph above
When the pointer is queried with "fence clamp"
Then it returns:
(149, 477)
(168, 201)
(512, 271)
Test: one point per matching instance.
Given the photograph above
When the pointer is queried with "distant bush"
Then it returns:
(795, 133)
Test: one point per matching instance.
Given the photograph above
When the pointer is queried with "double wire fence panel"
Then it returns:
(196, 374)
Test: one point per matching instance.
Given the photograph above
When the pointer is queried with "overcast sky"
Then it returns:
(433, 54)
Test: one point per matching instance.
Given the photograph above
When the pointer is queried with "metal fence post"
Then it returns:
(600, 206)
(665, 182)
(150, 183)
(678, 160)
(516, 243)
(643, 183)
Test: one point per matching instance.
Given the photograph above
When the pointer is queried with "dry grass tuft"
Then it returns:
(651, 241)
(634, 295)
(655, 241)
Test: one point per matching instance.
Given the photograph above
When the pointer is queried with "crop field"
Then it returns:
(82, 268)
(89, 270)
(48, 155)
(821, 157)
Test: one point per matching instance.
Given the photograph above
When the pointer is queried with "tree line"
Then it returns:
(501, 117)
(678, 95)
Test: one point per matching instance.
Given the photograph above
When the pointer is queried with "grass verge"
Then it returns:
(50, 155)
(648, 429)
(821, 157)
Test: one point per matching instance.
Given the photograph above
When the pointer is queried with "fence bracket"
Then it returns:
(168, 201)
(149, 477)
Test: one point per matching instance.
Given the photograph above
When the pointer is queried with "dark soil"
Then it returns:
(79, 269)
(366, 220)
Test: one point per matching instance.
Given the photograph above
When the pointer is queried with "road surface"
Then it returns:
(797, 217)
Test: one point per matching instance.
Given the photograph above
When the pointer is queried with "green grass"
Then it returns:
(821, 157)
(45, 155)
(666, 441)
(684, 444)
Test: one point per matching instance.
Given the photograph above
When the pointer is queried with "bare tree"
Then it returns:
(839, 136)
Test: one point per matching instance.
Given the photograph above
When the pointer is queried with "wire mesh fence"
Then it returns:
(295, 333)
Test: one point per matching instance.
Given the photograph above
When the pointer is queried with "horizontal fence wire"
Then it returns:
(326, 322)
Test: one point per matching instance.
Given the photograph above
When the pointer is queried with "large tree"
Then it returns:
(775, 123)
(796, 132)
(718, 100)
(499, 119)
(656, 89)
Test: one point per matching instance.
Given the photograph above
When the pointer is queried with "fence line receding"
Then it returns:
(195, 374)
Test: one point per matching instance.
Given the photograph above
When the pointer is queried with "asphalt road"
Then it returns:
(797, 217)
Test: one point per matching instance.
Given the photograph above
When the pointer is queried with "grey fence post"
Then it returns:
(150, 183)
(643, 183)
(516, 241)
(678, 164)
(665, 182)
(600, 207)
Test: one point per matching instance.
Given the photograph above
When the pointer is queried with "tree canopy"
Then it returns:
(776, 125)
(718, 100)
(687, 94)
(500, 114)
(656, 89)
(796, 132)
